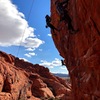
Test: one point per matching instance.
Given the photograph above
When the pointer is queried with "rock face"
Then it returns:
(81, 50)
(20, 80)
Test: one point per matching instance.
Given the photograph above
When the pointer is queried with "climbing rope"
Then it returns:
(25, 28)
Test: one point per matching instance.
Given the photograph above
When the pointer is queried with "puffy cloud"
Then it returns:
(57, 72)
(14, 29)
(30, 49)
(49, 35)
(30, 54)
(64, 68)
(40, 49)
(31, 43)
(27, 55)
(52, 64)
(24, 59)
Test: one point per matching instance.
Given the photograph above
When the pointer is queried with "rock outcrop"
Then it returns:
(20, 80)
(81, 49)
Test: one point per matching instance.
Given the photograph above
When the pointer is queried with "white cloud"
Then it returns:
(64, 68)
(52, 64)
(40, 49)
(24, 59)
(49, 35)
(55, 63)
(14, 29)
(30, 49)
(66, 72)
(30, 54)
(27, 55)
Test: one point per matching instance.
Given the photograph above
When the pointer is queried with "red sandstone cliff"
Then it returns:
(20, 80)
(81, 50)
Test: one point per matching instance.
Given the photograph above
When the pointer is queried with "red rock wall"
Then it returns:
(81, 50)
(20, 80)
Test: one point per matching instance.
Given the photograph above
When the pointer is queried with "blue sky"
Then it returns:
(24, 35)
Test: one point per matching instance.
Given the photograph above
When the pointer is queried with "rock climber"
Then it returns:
(48, 22)
(62, 62)
(62, 9)
(60, 6)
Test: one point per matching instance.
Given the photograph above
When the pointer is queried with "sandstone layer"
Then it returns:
(20, 80)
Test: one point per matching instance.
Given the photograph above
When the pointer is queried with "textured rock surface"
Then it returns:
(81, 50)
(20, 80)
